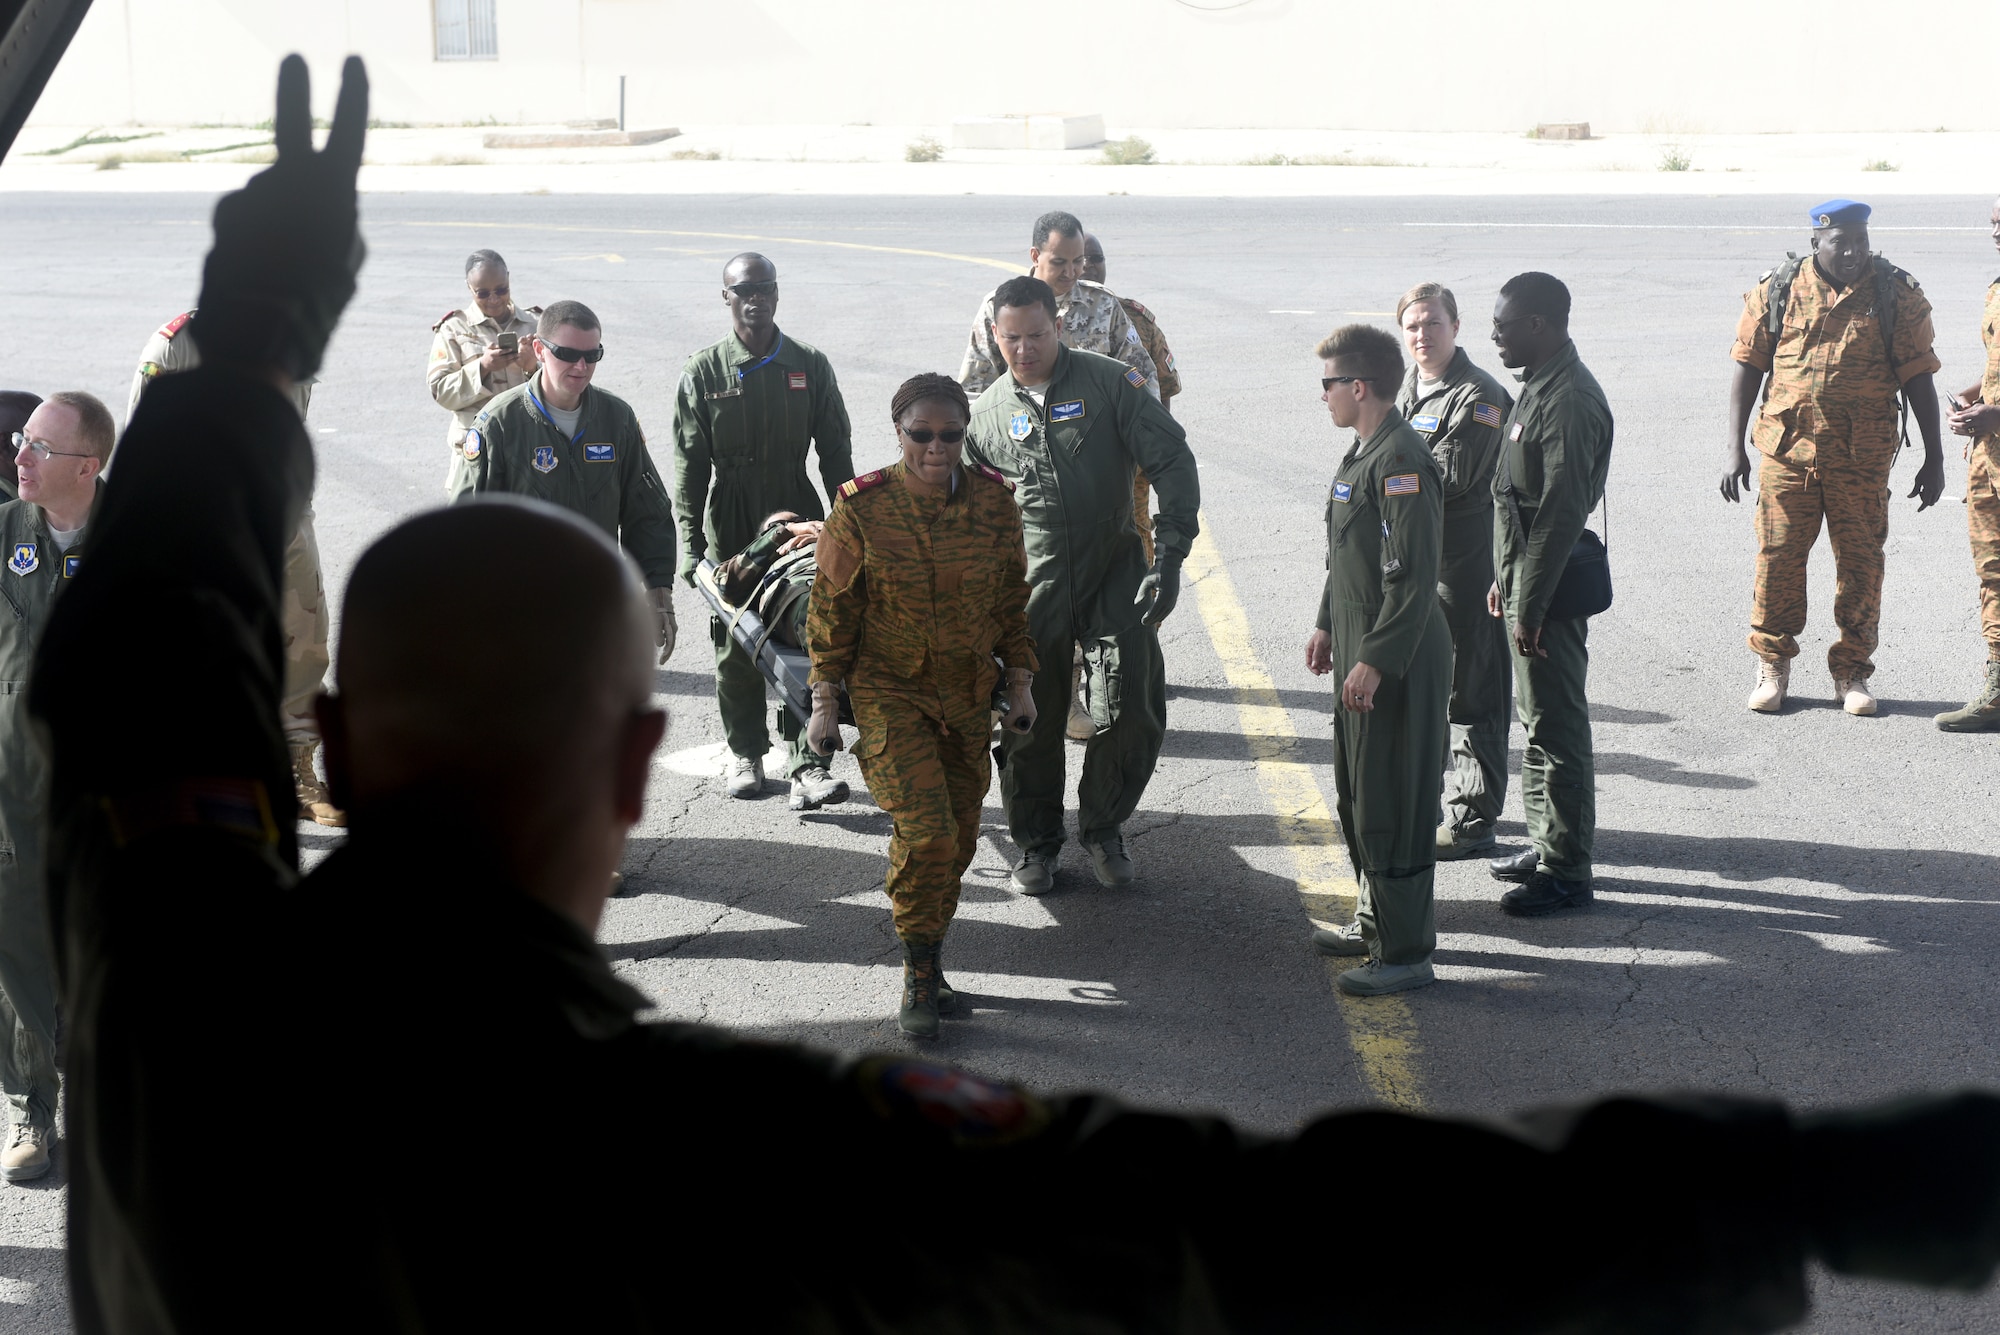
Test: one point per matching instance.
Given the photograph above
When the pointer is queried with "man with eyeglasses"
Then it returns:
(1068, 429)
(478, 353)
(308, 625)
(558, 438)
(749, 410)
(59, 454)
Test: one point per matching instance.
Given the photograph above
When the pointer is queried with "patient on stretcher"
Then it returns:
(773, 576)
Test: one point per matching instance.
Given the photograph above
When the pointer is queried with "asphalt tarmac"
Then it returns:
(1799, 907)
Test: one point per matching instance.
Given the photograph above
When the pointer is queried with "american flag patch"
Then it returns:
(1138, 380)
(1485, 414)
(1403, 484)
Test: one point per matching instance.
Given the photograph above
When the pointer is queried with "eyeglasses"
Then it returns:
(923, 435)
(588, 356)
(484, 292)
(42, 451)
(1328, 382)
(748, 290)
(1499, 324)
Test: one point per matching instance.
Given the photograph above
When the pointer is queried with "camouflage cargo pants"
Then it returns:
(1792, 502)
(306, 626)
(931, 777)
(1982, 518)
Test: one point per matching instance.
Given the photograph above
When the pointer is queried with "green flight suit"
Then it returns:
(603, 473)
(1556, 452)
(1384, 518)
(742, 426)
(1460, 417)
(36, 574)
(1072, 466)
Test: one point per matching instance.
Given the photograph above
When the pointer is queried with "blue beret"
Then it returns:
(1837, 211)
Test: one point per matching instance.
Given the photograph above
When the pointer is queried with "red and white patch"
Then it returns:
(1515, 434)
(796, 379)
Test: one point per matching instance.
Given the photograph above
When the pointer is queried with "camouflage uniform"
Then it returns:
(1090, 319)
(1828, 434)
(919, 588)
(458, 341)
(307, 625)
(1982, 487)
(1156, 347)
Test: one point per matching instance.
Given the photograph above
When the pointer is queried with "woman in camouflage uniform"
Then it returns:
(922, 585)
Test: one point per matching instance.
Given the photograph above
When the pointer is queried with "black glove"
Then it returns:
(287, 245)
(1162, 584)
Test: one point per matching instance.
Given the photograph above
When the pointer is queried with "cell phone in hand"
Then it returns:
(510, 343)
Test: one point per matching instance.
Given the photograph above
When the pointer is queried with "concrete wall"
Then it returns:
(1700, 66)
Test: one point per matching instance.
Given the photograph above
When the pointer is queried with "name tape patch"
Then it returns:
(1426, 423)
(1343, 492)
(1066, 412)
(1403, 484)
(796, 379)
(600, 454)
(1485, 414)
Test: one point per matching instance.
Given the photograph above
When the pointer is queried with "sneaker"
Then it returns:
(1339, 942)
(27, 1153)
(315, 802)
(1037, 873)
(1854, 695)
(1774, 678)
(1543, 894)
(746, 776)
(1454, 845)
(813, 787)
(1111, 863)
(1982, 714)
(1376, 979)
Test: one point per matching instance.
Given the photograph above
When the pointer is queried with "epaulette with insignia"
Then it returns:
(855, 486)
(175, 325)
(992, 474)
(441, 319)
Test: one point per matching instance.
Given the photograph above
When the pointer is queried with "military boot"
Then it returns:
(947, 999)
(1983, 713)
(27, 1153)
(1340, 941)
(1774, 679)
(813, 787)
(1376, 979)
(315, 803)
(919, 1015)
(1081, 727)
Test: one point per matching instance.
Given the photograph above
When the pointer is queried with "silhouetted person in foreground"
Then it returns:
(439, 1110)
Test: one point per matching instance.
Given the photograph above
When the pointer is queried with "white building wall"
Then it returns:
(1701, 66)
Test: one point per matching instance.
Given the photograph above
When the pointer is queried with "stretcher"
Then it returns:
(785, 669)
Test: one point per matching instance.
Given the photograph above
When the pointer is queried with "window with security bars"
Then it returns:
(467, 30)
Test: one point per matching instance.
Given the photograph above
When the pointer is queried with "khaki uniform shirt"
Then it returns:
(1830, 385)
(1089, 319)
(1156, 347)
(457, 343)
(171, 349)
(1989, 384)
(1556, 453)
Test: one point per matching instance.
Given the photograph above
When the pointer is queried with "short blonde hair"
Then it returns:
(1437, 292)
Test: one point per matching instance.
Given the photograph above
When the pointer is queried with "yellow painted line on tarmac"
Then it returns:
(1381, 1030)
(1007, 266)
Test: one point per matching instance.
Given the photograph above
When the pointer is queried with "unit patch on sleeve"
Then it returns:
(1066, 412)
(600, 454)
(1426, 422)
(1403, 484)
(796, 379)
(1134, 375)
(1485, 414)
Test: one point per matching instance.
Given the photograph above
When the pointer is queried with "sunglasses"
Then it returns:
(485, 292)
(41, 450)
(1328, 382)
(589, 357)
(747, 290)
(923, 435)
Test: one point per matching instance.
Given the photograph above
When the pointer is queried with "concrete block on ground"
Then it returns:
(1040, 132)
(578, 138)
(1563, 130)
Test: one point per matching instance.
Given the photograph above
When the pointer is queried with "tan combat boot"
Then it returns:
(1982, 714)
(27, 1153)
(1774, 678)
(315, 803)
(1080, 728)
(1855, 696)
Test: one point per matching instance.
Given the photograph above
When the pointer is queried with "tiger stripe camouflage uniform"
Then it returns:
(1982, 487)
(458, 341)
(1155, 343)
(1828, 434)
(919, 588)
(307, 625)
(1089, 318)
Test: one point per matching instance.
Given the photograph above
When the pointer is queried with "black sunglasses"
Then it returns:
(754, 289)
(484, 292)
(562, 354)
(923, 435)
(1328, 382)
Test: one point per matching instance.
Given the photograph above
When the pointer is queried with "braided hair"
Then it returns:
(929, 385)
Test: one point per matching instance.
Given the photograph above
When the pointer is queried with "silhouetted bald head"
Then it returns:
(490, 634)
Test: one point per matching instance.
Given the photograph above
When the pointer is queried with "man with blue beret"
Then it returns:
(1836, 343)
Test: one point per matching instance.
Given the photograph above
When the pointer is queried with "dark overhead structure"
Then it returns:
(33, 36)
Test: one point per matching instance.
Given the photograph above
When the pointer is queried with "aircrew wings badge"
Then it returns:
(1403, 484)
(1021, 426)
(26, 559)
(1485, 414)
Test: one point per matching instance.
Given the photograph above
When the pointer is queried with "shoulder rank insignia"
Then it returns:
(1132, 374)
(1402, 484)
(1486, 414)
(175, 325)
(1911, 279)
(855, 486)
(441, 319)
(1020, 426)
(992, 474)
(545, 460)
(26, 559)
